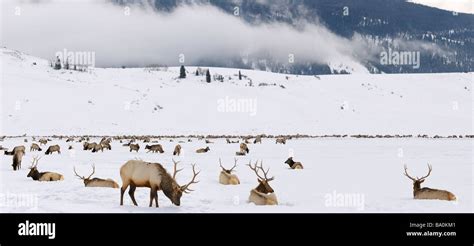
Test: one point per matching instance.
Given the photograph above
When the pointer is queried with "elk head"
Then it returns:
(33, 170)
(178, 190)
(263, 185)
(417, 181)
(86, 180)
(228, 171)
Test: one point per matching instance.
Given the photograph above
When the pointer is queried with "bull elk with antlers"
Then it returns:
(226, 177)
(137, 173)
(263, 194)
(96, 182)
(428, 193)
(43, 176)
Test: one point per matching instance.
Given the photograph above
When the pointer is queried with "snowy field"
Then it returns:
(340, 175)
(368, 171)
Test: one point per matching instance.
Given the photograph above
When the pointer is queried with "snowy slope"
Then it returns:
(37, 100)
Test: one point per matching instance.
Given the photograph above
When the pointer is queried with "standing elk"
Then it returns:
(226, 177)
(263, 194)
(96, 182)
(53, 148)
(154, 148)
(293, 164)
(43, 141)
(203, 150)
(428, 193)
(35, 147)
(137, 173)
(258, 139)
(135, 147)
(43, 176)
(177, 150)
(20, 148)
(17, 158)
(280, 140)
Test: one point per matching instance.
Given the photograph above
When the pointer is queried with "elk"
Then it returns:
(428, 193)
(70, 147)
(137, 173)
(97, 147)
(35, 147)
(177, 150)
(244, 148)
(43, 176)
(17, 158)
(53, 148)
(154, 148)
(70, 139)
(226, 177)
(263, 194)
(135, 147)
(96, 182)
(20, 148)
(280, 140)
(258, 139)
(293, 164)
(208, 141)
(43, 141)
(203, 150)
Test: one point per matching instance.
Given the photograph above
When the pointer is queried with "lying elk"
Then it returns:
(244, 148)
(177, 150)
(428, 193)
(96, 182)
(17, 158)
(226, 177)
(203, 150)
(20, 148)
(263, 194)
(35, 147)
(53, 148)
(293, 164)
(44, 176)
(70, 139)
(208, 141)
(154, 148)
(135, 147)
(136, 173)
(280, 140)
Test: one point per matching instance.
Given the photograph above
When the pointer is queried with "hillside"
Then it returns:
(37, 100)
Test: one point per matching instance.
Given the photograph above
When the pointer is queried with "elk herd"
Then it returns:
(153, 175)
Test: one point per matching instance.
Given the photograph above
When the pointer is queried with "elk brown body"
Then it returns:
(35, 147)
(263, 194)
(258, 139)
(428, 193)
(203, 150)
(97, 182)
(280, 140)
(244, 148)
(53, 148)
(20, 148)
(155, 148)
(177, 150)
(226, 177)
(135, 147)
(17, 158)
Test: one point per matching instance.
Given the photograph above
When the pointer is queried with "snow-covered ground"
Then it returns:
(368, 172)
(37, 100)
(340, 175)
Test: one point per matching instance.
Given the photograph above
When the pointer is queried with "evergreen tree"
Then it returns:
(182, 72)
(208, 76)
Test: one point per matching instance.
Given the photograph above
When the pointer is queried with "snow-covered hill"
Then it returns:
(37, 100)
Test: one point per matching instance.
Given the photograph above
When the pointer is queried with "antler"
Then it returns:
(175, 170)
(230, 170)
(34, 163)
(256, 168)
(429, 172)
(408, 175)
(93, 171)
(185, 188)
(79, 176)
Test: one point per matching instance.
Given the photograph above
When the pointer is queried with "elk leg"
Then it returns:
(152, 196)
(156, 198)
(122, 190)
(131, 192)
